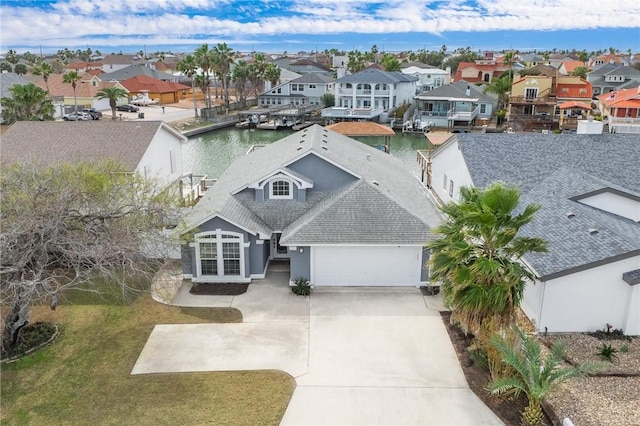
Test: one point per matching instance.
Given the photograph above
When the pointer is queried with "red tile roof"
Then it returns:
(572, 65)
(582, 90)
(624, 98)
(496, 70)
(84, 88)
(152, 85)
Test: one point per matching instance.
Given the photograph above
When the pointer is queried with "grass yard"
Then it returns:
(84, 377)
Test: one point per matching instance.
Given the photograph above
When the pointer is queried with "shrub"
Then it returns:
(301, 286)
(31, 336)
(610, 333)
(607, 352)
(624, 349)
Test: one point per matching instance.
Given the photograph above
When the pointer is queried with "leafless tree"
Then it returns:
(63, 226)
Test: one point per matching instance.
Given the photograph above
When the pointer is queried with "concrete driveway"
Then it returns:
(364, 356)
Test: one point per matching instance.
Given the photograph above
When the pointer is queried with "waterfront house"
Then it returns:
(621, 110)
(304, 90)
(611, 77)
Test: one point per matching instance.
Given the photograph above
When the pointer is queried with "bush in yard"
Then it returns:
(301, 287)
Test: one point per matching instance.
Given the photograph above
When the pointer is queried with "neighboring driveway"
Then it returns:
(360, 356)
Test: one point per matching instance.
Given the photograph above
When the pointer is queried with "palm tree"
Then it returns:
(12, 57)
(272, 73)
(535, 374)
(189, 67)
(28, 102)
(500, 86)
(390, 62)
(509, 58)
(240, 77)
(478, 261)
(113, 94)
(356, 62)
(72, 78)
(257, 70)
(224, 57)
(45, 70)
(204, 59)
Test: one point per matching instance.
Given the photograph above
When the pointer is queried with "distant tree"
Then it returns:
(356, 62)
(500, 86)
(45, 70)
(27, 102)
(509, 59)
(113, 94)
(257, 73)
(5, 66)
(463, 55)
(205, 60)
(535, 373)
(72, 78)
(31, 58)
(583, 56)
(240, 78)
(57, 65)
(20, 69)
(328, 100)
(188, 66)
(580, 72)
(390, 62)
(224, 57)
(12, 57)
(272, 73)
(66, 225)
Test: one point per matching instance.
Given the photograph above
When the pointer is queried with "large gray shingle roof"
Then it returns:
(555, 171)
(457, 90)
(136, 70)
(374, 75)
(55, 142)
(7, 80)
(395, 186)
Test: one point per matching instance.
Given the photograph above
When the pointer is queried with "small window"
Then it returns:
(281, 189)
(483, 108)
(445, 182)
(312, 86)
(450, 188)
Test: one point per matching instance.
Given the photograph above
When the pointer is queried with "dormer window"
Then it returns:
(281, 189)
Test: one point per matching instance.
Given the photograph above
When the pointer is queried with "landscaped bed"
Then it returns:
(84, 377)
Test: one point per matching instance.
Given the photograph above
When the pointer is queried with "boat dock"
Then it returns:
(291, 116)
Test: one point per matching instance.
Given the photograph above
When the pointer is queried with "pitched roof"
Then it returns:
(7, 80)
(457, 90)
(572, 65)
(582, 89)
(84, 88)
(374, 75)
(361, 128)
(554, 171)
(615, 69)
(314, 78)
(622, 98)
(382, 185)
(137, 70)
(153, 85)
(308, 62)
(55, 142)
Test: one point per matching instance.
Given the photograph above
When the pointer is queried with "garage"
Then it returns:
(366, 265)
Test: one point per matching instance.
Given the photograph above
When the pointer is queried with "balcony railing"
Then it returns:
(539, 118)
(463, 115)
(427, 114)
(527, 100)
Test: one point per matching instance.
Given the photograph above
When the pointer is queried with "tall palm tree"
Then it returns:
(205, 62)
(272, 73)
(390, 62)
(240, 77)
(189, 67)
(224, 58)
(72, 78)
(500, 86)
(356, 62)
(45, 70)
(257, 70)
(113, 94)
(535, 374)
(478, 261)
(28, 102)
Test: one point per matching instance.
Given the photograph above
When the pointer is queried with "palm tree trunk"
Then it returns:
(195, 105)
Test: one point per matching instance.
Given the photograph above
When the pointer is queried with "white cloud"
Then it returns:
(83, 22)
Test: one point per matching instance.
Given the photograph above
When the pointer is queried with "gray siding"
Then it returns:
(258, 256)
(325, 176)
(300, 262)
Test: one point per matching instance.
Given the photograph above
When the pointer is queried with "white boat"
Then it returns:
(142, 99)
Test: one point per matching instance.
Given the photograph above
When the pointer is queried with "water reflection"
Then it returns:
(211, 153)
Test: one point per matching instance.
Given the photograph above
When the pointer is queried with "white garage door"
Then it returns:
(366, 266)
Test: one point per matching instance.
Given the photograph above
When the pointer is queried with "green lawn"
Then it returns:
(84, 377)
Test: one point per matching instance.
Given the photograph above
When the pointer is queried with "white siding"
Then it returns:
(449, 162)
(156, 162)
(616, 204)
(591, 299)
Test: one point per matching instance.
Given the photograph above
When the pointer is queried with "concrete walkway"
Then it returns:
(360, 356)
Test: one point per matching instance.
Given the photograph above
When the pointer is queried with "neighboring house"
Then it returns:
(305, 90)
(82, 67)
(611, 77)
(481, 71)
(85, 94)
(621, 110)
(151, 148)
(111, 63)
(7, 80)
(341, 212)
(308, 66)
(369, 93)
(453, 105)
(568, 67)
(429, 77)
(609, 58)
(556, 59)
(531, 60)
(589, 192)
(166, 92)
(139, 70)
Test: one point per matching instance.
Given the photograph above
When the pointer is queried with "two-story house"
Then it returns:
(369, 93)
(429, 77)
(611, 77)
(480, 71)
(340, 212)
(453, 105)
(532, 103)
(304, 90)
(621, 110)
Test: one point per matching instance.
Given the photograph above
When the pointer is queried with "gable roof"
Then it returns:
(457, 90)
(153, 85)
(622, 98)
(137, 70)
(7, 80)
(374, 75)
(84, 88)
(554, 171)
(55, 142)
(308, 62)
(570, 66)
(385, 177)
(314, 78)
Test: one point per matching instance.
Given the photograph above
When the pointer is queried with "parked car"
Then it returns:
(77, 116)
(127, 108)
(95, 115)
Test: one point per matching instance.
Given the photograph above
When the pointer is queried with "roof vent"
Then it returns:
(301, 140)
(369, 157)
(571, 215)
(375, 182)
(592, 231)
(325, 148)
(299, 148)
(324, 140)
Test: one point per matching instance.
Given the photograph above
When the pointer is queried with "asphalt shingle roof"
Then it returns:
(557, 171)
(386, 204)
(457, 90)
(374, 75)
(55, 142)
(137, 70)
(7, 80)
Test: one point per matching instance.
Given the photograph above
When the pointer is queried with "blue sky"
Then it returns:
(295, 25)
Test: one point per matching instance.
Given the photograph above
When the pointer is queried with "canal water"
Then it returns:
(211, 153)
